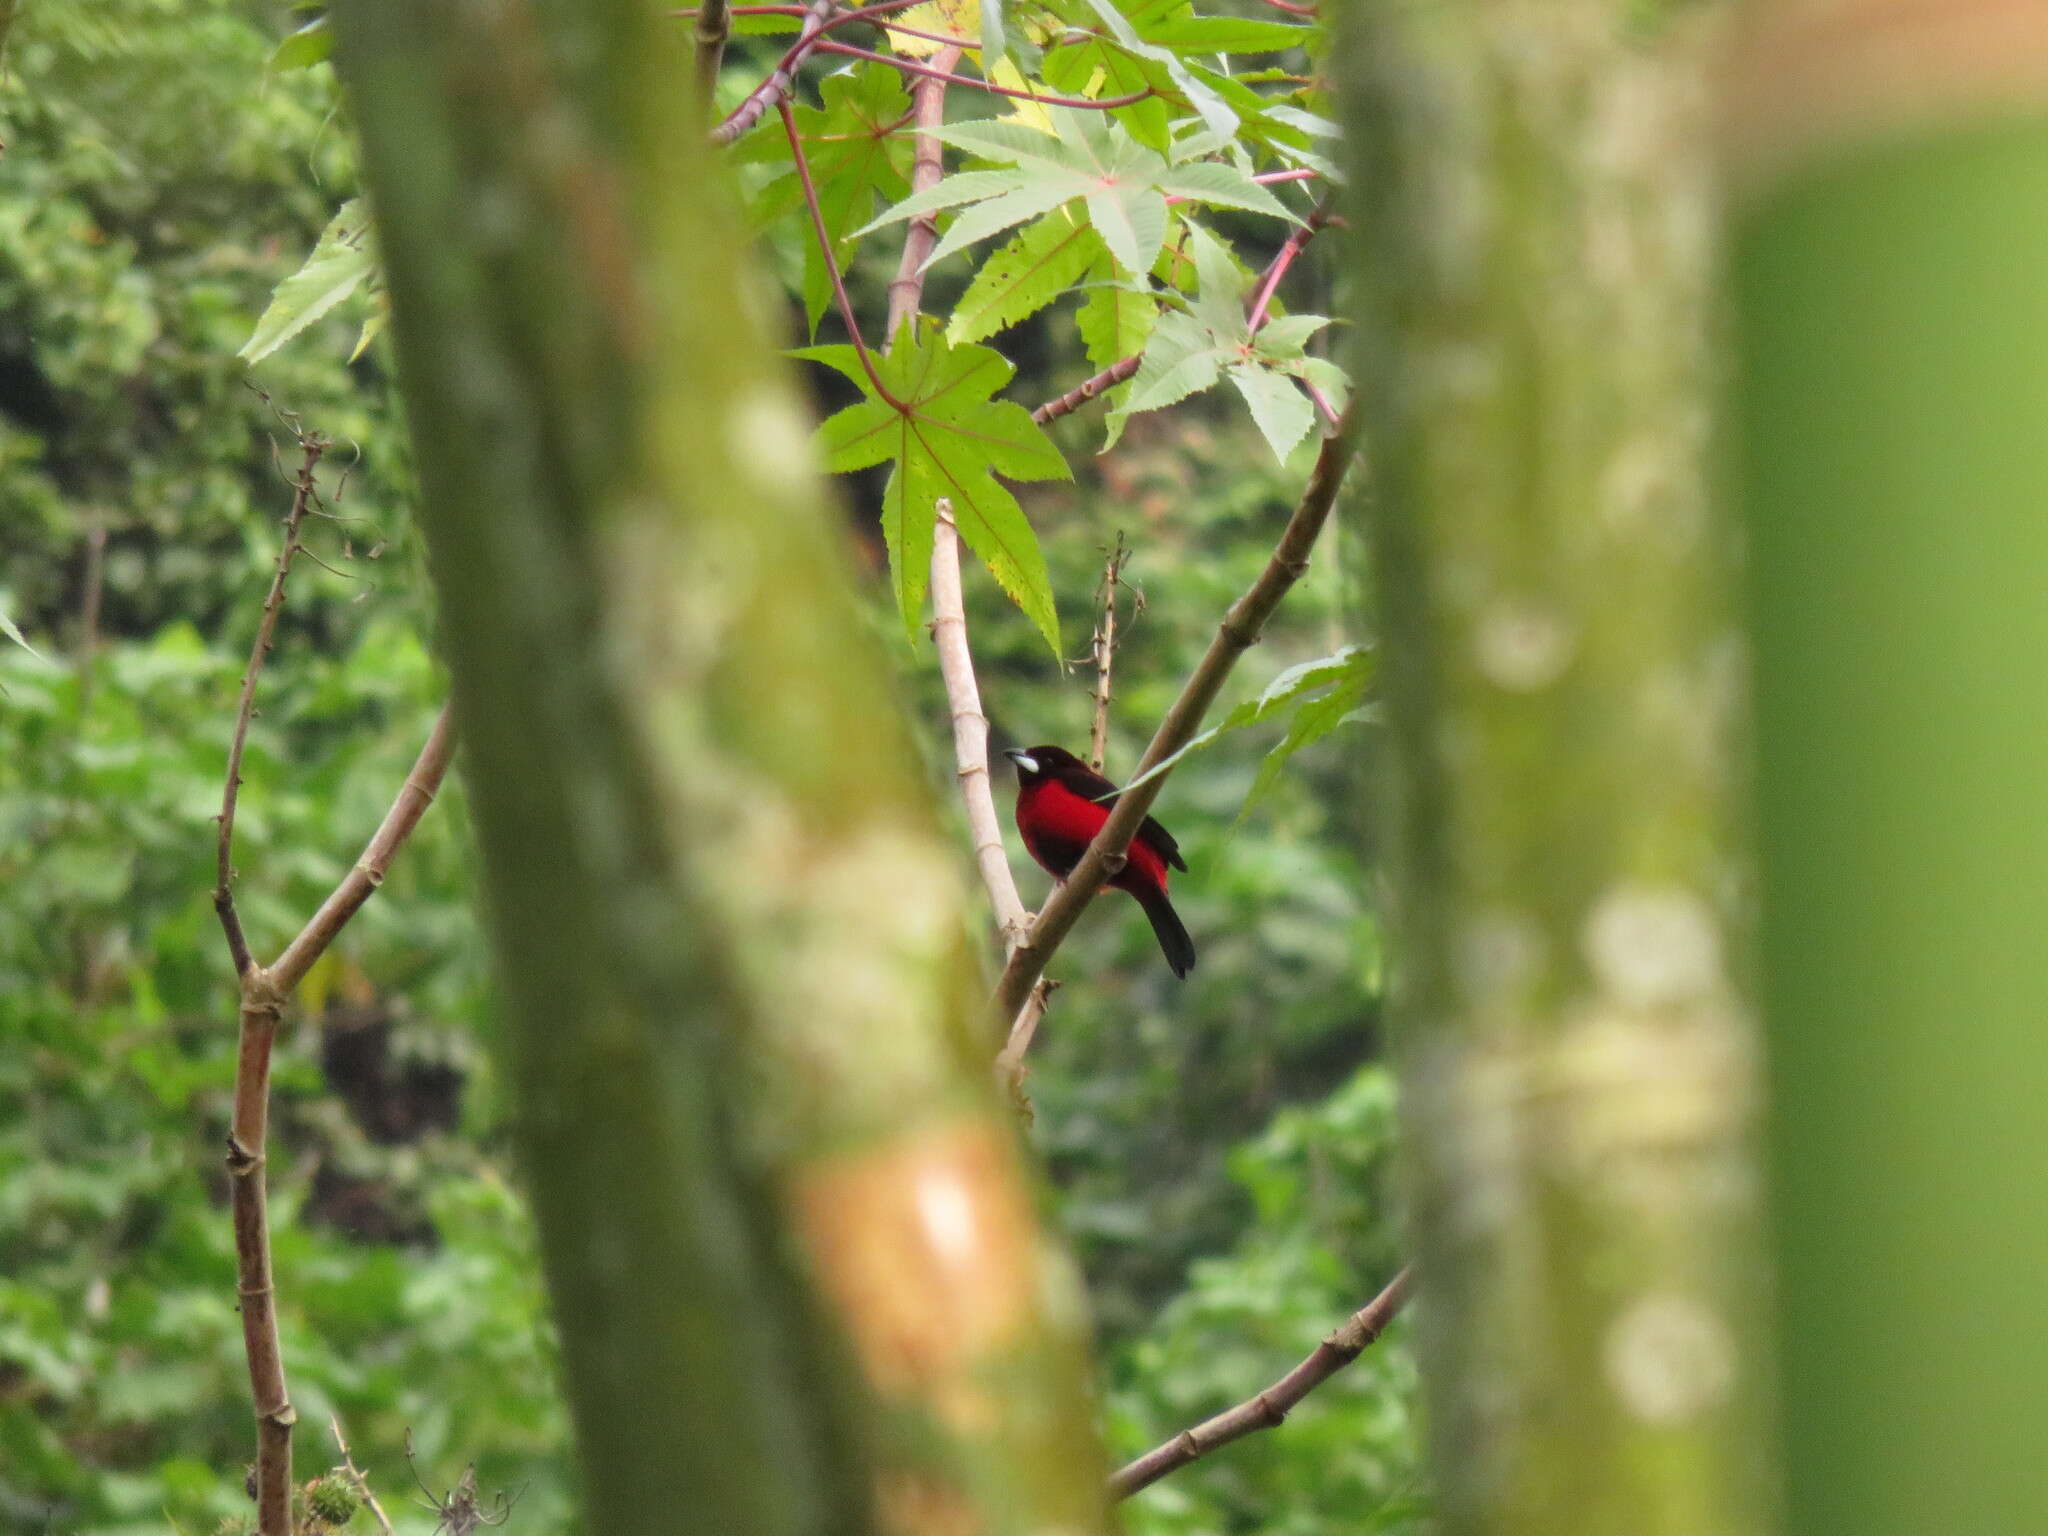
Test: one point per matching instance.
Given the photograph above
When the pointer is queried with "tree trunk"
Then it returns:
(734, 945)
(1563, 679)
(1891, 181)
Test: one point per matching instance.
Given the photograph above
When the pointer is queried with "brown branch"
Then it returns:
(1102, 649)
(1088, 389)
(819, 19)
(1262, 294)
(1240, 629)
(357, 886)
(264, 994)
(774, 91)
(355, 1476)
(714, 26)
(1270, 1407)
(311, 446)
(1010, 1069)
(970, 734)
(261, 1009)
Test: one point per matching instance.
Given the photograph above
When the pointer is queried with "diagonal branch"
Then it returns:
(311, 446)
(1240, 629)
(361, 882)
(1270, 1407)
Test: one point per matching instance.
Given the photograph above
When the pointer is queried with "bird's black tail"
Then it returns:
(1174, 942)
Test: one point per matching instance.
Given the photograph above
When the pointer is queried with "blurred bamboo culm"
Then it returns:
(1889, 192)
(790, 1245)
(1564, 700)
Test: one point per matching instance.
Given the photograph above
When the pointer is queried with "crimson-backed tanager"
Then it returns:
(1061, 805)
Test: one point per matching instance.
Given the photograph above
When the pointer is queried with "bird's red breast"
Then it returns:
(1057, 826)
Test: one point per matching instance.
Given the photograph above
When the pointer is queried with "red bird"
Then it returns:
(1061, 805)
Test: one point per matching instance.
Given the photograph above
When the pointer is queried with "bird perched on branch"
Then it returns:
(1061, 805)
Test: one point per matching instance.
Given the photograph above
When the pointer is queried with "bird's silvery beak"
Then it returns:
(1022, 759)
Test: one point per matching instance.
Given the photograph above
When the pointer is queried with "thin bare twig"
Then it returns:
(1240, 629)
(354, 1474)
(264, 992)
(1102, 650)
(311, 447)
(1271, 1406)
(357, 886)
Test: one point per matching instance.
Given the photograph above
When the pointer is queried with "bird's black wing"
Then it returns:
(1085, 781)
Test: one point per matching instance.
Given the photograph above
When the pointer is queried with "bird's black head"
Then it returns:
(1047, 762)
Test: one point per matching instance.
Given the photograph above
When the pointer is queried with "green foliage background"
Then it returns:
(1217, 1149)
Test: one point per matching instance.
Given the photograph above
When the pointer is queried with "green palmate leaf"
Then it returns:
(961, 187)
(1092, 65)
(1220, 289)
(1005, 138)
(309, 45)
(1224, 34)
(1117, 317)
(1324, 375)
(857, 154)
(992, 34)
(1184, 358)
(1132, 223)
(949, 439)
(1282, 411)
(1211, 181)
(341, 262)
(1123, 185)
(1038, 265)
(1286, 336)
(374, 322)
(1001, 213)
(1346, 674)
(13, 632)
(1313, 720)
(1200, 94)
